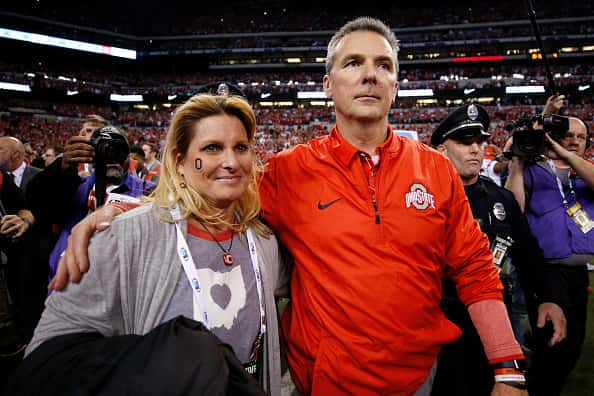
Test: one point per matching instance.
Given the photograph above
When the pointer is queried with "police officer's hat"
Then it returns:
(468, 120)
(222, 88)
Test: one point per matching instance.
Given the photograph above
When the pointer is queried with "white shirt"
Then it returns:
(18, 173)
(487, 170)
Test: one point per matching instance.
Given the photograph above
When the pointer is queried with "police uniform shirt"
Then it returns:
(498, 213)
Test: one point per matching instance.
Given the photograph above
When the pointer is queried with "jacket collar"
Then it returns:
(346, 152)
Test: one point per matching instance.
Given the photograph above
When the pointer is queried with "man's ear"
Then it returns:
(442, 149)
(327, 86)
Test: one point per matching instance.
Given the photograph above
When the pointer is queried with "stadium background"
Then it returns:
(451, 53)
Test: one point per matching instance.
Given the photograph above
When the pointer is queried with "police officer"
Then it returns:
(463, 368)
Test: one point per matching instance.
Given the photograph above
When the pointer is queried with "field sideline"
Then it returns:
(581, 381)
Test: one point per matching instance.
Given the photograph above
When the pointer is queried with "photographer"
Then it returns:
(555, 191)
(62, 197)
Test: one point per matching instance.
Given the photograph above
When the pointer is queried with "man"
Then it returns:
(373, 222)
(556, 194)
(494, 164)
(73, 196)
(150, 161)
(462, 368)
(24, 277)
(12, 309)
(12, 160)
(138, 156)
(90, 123)
(51, 154)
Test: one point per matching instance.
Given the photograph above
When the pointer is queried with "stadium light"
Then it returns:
(407, 93)
(528, 89)
(15, 87)
(125, 98)
(583, 87)
(488, 58)
(42, 39)
(311, 95)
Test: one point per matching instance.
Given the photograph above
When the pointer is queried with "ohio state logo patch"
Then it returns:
(419, 197)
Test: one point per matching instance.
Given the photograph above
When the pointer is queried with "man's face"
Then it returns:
(7, 152)
(575, 138)
(466, 155)
(362, 82)
(88, 128)
(49, 156)
(148, 154)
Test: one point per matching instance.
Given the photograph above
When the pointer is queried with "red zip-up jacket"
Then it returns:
(370, 245)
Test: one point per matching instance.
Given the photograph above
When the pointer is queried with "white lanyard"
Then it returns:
(183, 251)
(559, 184)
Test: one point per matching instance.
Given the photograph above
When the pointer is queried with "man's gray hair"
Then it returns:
(368, 24)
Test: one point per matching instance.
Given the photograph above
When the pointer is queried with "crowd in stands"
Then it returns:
(236, 16)
(278, 127)
(447, 36)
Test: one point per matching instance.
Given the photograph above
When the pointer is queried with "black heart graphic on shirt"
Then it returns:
(221, 294)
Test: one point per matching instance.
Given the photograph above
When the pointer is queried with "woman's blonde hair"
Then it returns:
(181, 132)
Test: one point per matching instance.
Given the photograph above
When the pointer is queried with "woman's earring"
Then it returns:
(182, 184)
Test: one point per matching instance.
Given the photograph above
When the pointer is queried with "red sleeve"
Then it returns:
(268, 193)
(492, 324)
(468, 256)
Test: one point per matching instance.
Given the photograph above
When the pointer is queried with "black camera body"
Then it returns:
(556, 125)
(111, 146)
(530, 143)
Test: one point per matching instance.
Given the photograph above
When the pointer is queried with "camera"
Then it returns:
(530, 143)
(556, 125)
(111, 146)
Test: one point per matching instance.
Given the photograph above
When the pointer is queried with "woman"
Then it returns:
(198, 250)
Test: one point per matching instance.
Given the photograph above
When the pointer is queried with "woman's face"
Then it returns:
(219, 160)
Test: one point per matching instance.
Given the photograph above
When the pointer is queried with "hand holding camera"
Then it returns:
(556, 150)
(107, 145)
(77, 150)
(531, 137)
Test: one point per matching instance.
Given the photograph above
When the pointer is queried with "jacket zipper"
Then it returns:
(371, 181)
